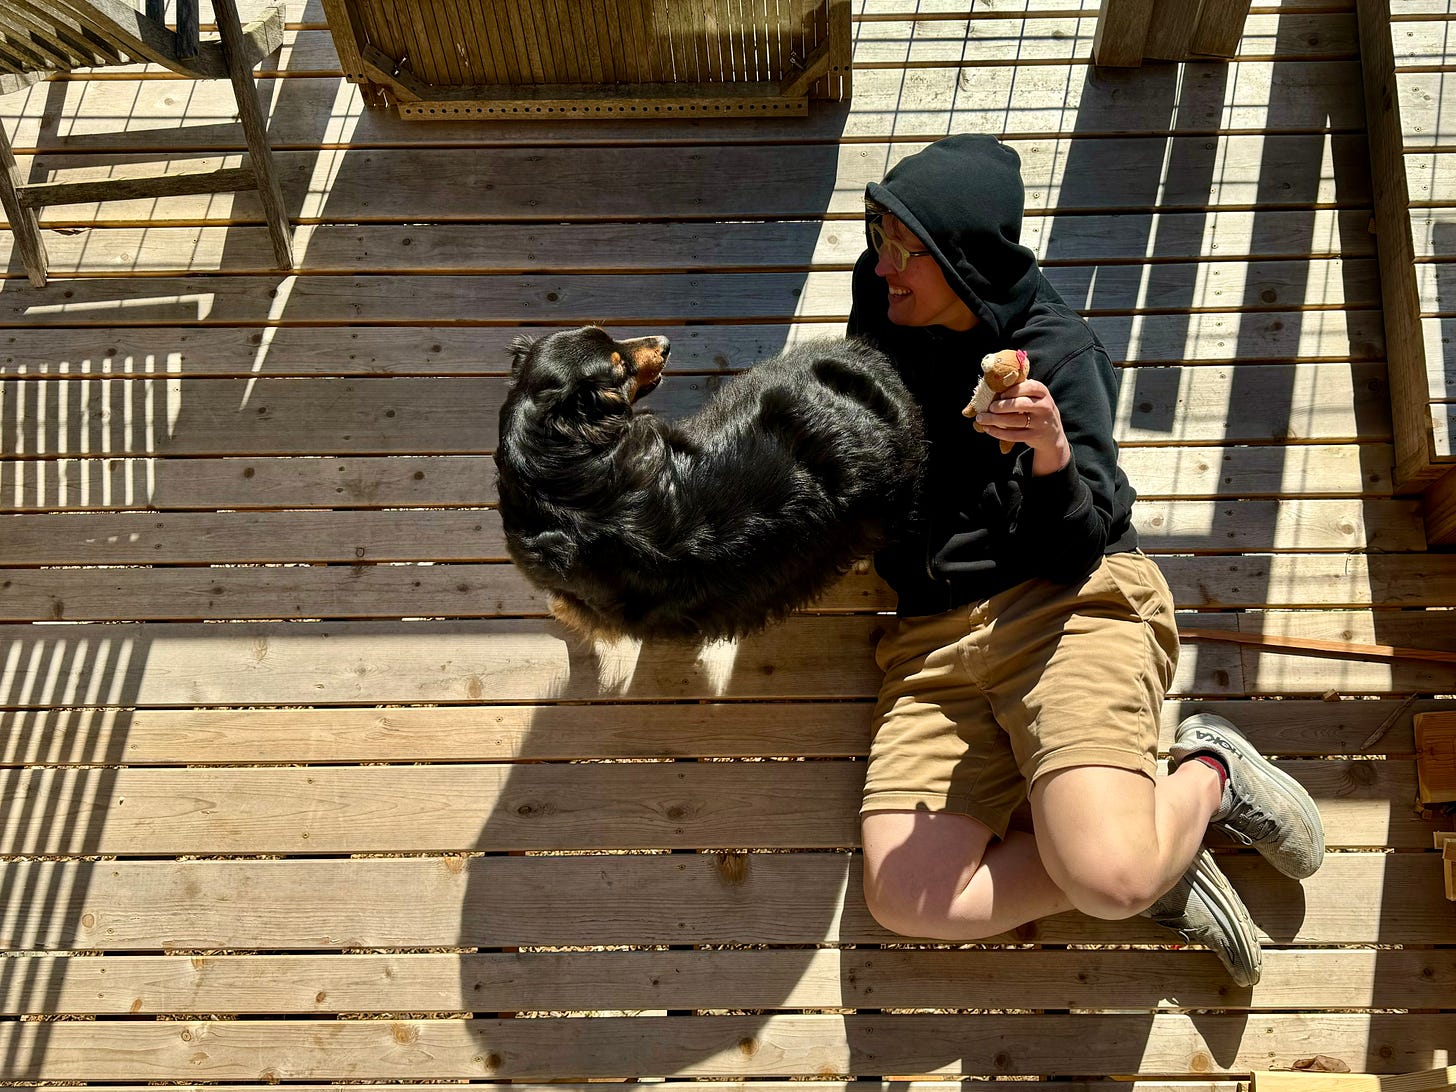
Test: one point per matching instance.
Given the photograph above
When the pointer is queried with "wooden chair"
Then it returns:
(455, 60)
(42, 37)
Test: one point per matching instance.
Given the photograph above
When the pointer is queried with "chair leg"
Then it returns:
(23, 223)
(255, 130)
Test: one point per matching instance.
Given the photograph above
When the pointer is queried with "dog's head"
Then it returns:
(571, 394)
(586, 373)
(562, 431)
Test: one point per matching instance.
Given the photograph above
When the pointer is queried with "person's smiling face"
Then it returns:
(919, 293)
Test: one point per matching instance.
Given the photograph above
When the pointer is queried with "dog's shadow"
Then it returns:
(638, 823)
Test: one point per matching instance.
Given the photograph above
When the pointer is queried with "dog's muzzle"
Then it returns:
(649, 358)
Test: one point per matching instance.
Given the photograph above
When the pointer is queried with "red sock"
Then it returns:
(1217, 766)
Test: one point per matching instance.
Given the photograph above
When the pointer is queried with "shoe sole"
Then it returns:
(1290, 789)
(1230, 914)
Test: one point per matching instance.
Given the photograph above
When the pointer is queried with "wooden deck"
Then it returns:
(300, 785)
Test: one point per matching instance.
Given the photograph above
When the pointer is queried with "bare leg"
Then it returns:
(941, 875)
(1108, 842)
(1115, 840)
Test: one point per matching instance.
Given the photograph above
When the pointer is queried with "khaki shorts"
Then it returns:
(980, 701)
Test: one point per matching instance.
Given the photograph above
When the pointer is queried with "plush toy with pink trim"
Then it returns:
(999, 371)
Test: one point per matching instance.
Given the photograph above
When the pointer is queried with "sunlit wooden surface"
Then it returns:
(299, 783)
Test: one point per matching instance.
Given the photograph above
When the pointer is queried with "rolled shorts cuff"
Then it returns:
(1117, 757)
(935, 802)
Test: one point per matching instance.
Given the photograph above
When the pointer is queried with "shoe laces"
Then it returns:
(1249, 823)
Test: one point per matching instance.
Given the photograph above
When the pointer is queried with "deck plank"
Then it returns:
(467, 481)
(610, 1047)
(526, 660)
(203, 906)
(463, 591)
(575, 298)
(503, 659)
(175, 415)
(1305, 978)
(1414, 437)
(538, 806)
(371, 248)
(500, 182)
(1271, 672)
(1229, 525)
(622, 728)
(262, 347)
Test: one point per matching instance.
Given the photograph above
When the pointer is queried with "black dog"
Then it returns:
(714, 526)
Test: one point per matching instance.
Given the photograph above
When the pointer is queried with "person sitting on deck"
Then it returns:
(1034, 642)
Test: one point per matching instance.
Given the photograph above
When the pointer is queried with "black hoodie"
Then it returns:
(985, 522)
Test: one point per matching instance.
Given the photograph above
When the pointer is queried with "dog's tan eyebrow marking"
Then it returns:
(616, 357)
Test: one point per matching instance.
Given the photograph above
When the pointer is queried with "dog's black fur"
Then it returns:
(714, 526)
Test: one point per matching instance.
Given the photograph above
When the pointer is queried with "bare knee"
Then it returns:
(909, 903)
(1096, 835)
(917, 864)
(895, 908)
(1109, 887)
(900, 903)
(898, 896)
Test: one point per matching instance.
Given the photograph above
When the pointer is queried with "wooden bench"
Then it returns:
(511, 60)
(301, 787)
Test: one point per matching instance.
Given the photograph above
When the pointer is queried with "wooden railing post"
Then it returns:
(1122, 28)
(1132, 31)
(1220, 26)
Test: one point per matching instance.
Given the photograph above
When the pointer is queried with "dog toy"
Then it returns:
(999, 371)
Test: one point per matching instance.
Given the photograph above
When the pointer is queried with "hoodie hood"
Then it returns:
(963, 197)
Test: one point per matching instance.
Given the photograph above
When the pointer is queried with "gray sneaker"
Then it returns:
(1262, 805)
(1204, 908)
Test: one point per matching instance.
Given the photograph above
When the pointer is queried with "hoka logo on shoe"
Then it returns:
(1205, 736)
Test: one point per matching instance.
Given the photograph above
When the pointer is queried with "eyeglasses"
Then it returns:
(898, 252)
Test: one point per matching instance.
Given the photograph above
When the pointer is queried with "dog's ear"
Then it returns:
(520, 348)
(595, 408)
(552, 550)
